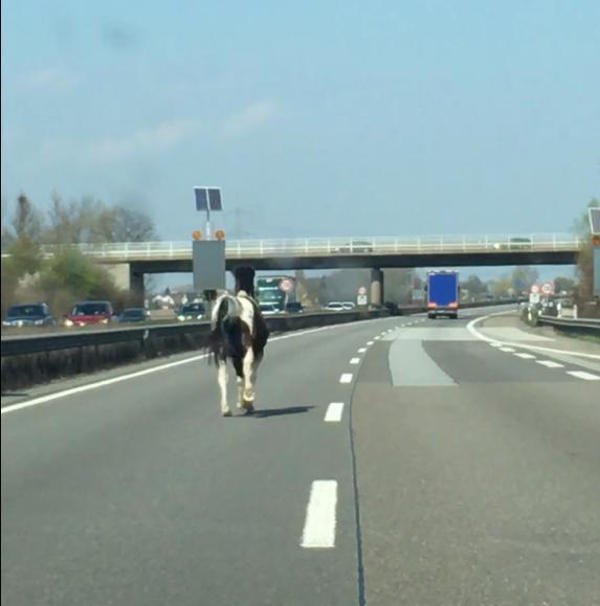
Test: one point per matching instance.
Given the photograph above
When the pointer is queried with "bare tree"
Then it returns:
(65, 221)
(129, 225)
(91, 220)
(27, 221)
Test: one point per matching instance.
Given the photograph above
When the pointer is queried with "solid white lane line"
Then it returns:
(354, 360)
(525, 356)
(319, 525)
(581, 374)
(361, 350)
(550, 364)
(97, 384)
(507, 349)
(334, 412)
(346, 377)
(471, 328)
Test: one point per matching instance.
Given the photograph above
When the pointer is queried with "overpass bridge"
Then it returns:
(130, 261)
(335, 253)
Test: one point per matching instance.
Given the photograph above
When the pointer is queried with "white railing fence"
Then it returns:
(339, 246)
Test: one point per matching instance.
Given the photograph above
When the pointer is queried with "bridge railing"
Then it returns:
(364, 245)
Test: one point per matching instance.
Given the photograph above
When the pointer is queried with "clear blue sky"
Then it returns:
(316, 118)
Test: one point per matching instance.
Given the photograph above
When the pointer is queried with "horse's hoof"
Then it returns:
(227, 413)
(248, 406)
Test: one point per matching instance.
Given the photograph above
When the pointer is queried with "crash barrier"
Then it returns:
(588, 326)
(33, 359)
(566, 325)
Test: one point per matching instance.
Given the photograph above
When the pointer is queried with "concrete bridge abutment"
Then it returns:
(376, 286)
(128, 277)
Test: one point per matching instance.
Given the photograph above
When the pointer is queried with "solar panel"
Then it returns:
(201, 198)
(208, 198)
(214, 199)
(594, 221)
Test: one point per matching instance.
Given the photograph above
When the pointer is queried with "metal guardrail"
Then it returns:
(70, 338)
(76, 338)
(34, 359)
(579, 325)
(19, 345)
(351, 245)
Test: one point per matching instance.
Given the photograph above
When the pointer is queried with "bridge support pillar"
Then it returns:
(244, 279)
(376, 286)
(136, 285)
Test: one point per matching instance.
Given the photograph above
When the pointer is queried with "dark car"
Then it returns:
(133, 314)
(392, 307)
(89, 312)
(191, 311)
(294, 308)
(29, 314)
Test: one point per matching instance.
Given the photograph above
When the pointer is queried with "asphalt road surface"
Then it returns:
(395, 461)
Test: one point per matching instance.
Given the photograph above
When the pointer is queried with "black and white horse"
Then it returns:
(238, 332)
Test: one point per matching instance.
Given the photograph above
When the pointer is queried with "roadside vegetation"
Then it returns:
(68, 275)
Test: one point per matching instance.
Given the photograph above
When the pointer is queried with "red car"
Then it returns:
(89, 312)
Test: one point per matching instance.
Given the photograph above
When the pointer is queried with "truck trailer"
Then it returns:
(442, 294)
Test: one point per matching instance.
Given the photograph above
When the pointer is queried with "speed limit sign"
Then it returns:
(547, 288)
(287, 285)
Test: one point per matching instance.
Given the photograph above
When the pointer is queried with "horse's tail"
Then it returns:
(225, 312)
(225, 327)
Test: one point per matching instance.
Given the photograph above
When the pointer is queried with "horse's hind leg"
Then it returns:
(222, 379)
(248, 394)
(239, 371)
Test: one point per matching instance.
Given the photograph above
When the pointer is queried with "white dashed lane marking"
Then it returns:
(319, 525)
(581, 374)
(525, 356)
(361, 350)
(346, 377)
(550, 364)
(334, 412)
(369, 342)
(507, 349)
(354, 360)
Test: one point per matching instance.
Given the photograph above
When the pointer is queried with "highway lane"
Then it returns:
(478, 467)
(140, 493)
(477, 477)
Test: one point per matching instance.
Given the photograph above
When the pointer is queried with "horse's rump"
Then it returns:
(229, 336)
